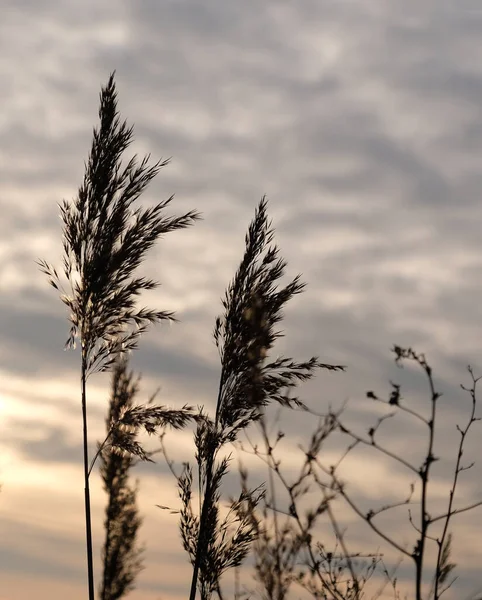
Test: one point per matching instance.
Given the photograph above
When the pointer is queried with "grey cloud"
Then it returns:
(35, 343)
(32, 340)
(54, 447)
(378, 145)
(15, 561)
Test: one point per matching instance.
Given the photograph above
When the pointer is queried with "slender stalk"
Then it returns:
(122, 556)
(88, 524)
(201, 535)
(425, 519)
(269, 449)
(105, 240)
(205, 505)
(458, 470)
(244, 335)
(99, 450)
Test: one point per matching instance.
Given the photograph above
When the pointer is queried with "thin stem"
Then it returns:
(205, 502)
(340, 537)
(424, 518)
(269, 451)
(101, 447)
(201, 536)
(403, 408)
(458, 470)
(456, 511)
(373, 444)
(340, 489)
(88, 525)
(314, 563)
(219, 592)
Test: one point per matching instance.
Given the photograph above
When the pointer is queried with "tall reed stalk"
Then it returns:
(105, 240)
(249, 381)
(121, 555)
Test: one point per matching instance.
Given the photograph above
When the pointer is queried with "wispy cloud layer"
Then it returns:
(361, 121)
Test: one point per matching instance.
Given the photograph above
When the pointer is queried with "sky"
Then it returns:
(362, 124)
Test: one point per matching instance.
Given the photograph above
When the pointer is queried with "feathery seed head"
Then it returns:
(246, 333)
(105, 239)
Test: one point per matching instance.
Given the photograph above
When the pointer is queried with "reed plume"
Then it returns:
(121, 555)
(105, 240)
(244, 335)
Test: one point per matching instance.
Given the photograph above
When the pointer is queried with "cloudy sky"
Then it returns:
(360, 121)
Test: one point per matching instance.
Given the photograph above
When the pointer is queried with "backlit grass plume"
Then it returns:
(245, 335)
(105, 239)
(121, 555)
